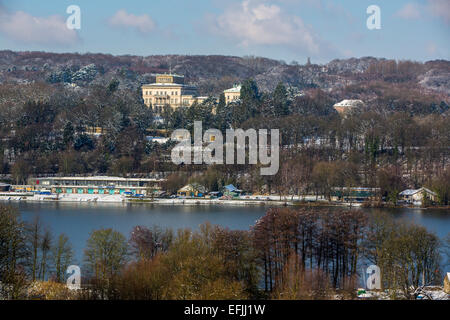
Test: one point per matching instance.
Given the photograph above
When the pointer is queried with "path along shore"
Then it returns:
(103, 198)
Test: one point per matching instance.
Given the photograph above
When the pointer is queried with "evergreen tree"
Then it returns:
(68, 133)
(113, 85)
(280, 100)
(221, 118)
(250, 97)
(222, 102)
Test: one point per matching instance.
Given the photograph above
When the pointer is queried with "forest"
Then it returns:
(400, 139)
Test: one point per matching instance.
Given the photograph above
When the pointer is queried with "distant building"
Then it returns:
(98, 185)
(169, 90)
(4, 187)
(357, 194)
(160, 140)
(95, 131)
(416, 196)
(231, 191)
(215, 194)
(347, 105)
(192, 190)
(233, 94)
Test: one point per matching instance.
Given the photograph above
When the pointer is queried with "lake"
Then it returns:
(77, 220)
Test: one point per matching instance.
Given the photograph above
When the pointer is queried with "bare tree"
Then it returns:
(61, 256)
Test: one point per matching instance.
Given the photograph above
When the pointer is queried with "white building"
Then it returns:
(415, 196)
(347, 105)
(169, 90)
(97, 185)
(233, 94)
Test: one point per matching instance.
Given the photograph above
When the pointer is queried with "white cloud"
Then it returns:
(122, 19)
(409, 11)
(23, 27)
(257, 23)
(440, 8)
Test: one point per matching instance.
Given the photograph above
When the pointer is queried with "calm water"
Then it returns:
(78, 220)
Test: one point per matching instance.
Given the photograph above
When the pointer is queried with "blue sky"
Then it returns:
(281, 29)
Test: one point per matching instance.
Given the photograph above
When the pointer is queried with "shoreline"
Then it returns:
(103, 198)
(247, 201)
(117, 199)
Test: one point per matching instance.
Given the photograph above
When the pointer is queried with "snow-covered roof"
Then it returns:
(234, 89)
(410, 192)
(170, 75)
(192, 187)
(232, 188)
(349, 103)
(157, 139)
(166, 84)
